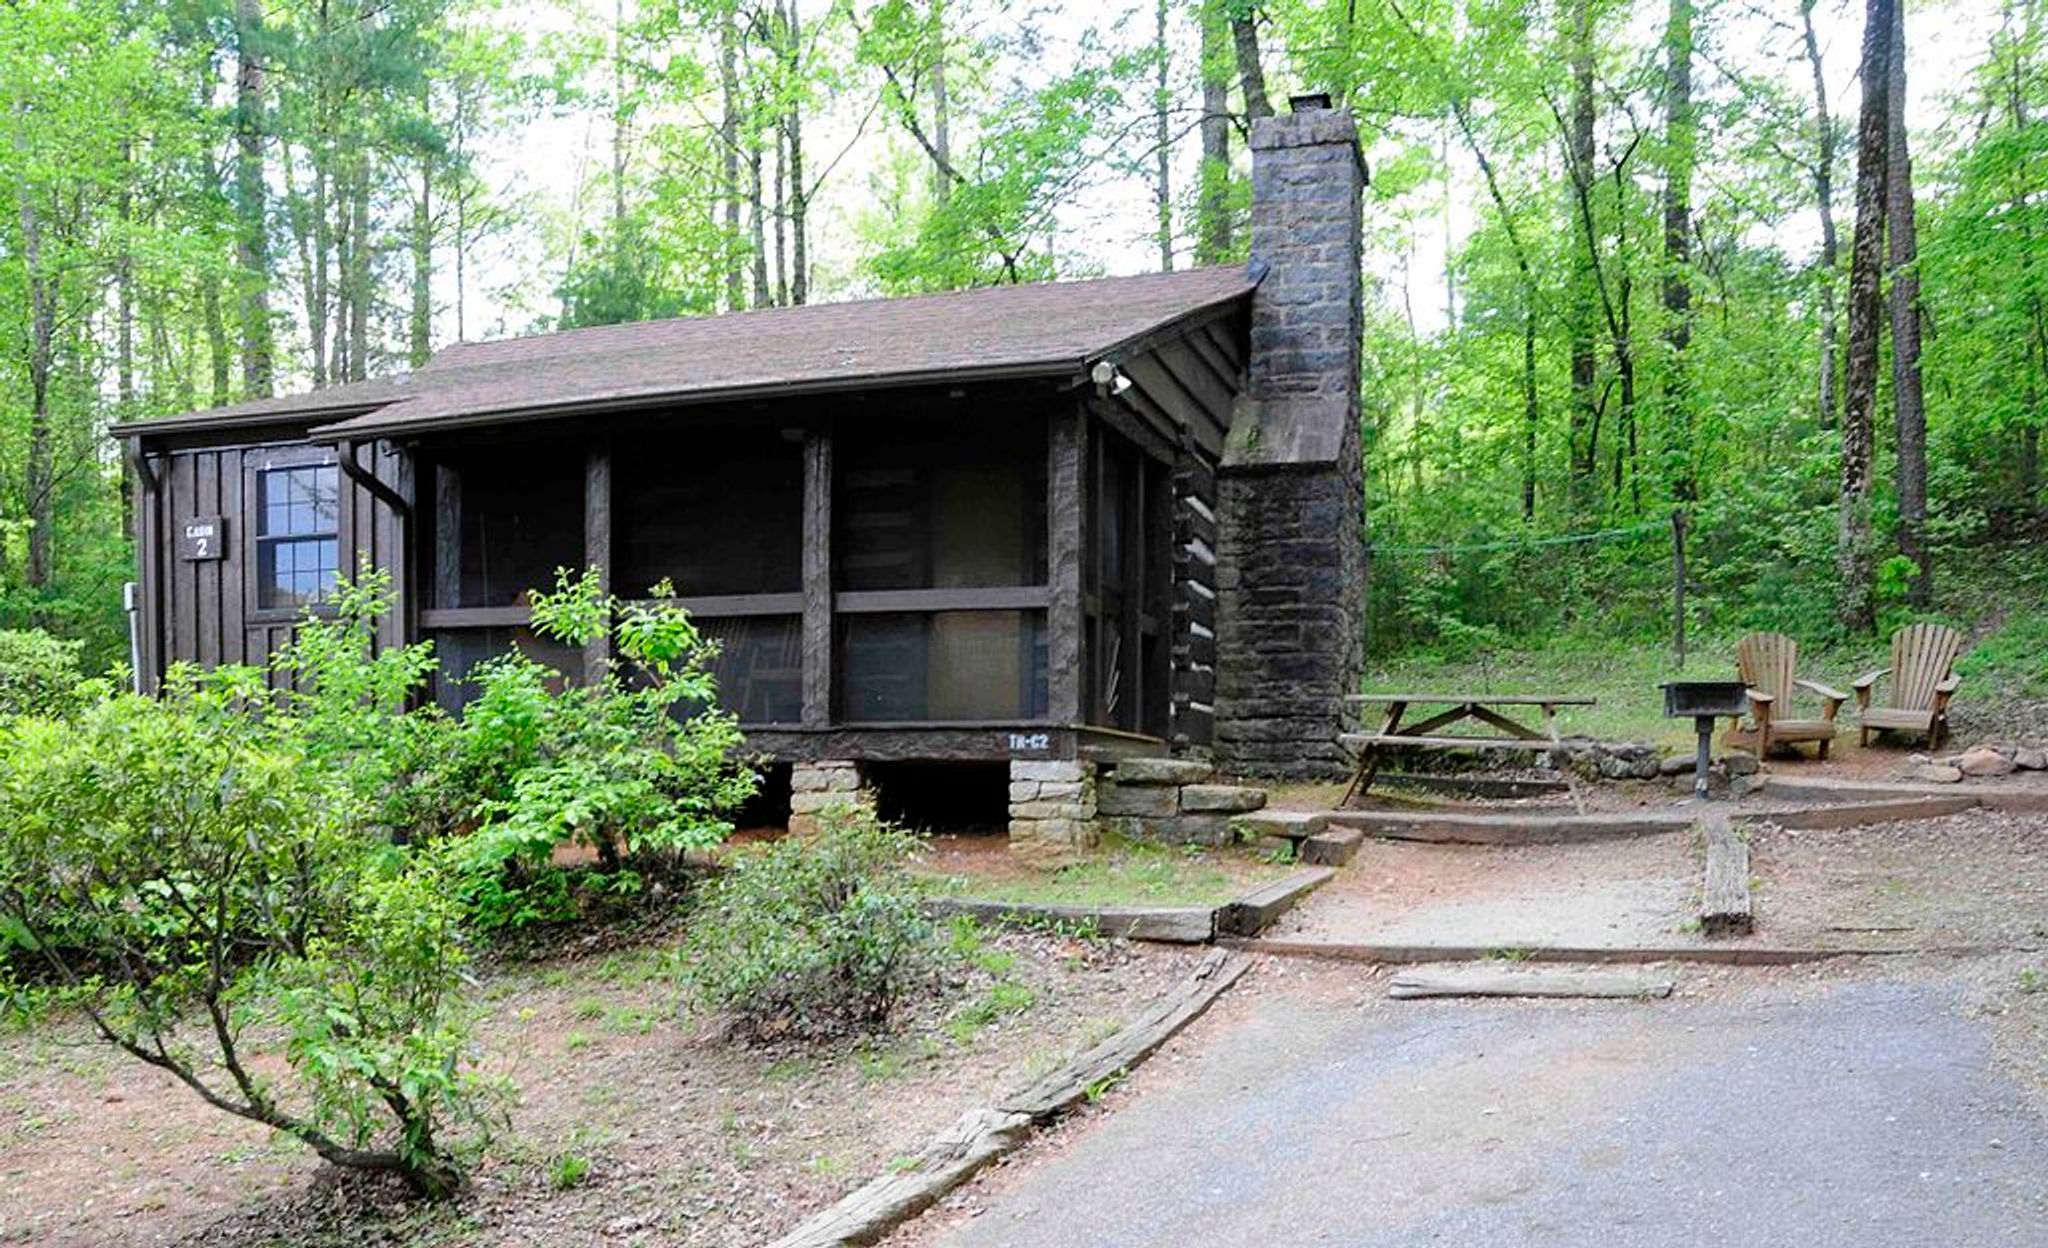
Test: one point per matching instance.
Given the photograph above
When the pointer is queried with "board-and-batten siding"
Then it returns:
(203, 611)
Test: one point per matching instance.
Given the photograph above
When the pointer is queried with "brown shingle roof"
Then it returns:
(996, 331)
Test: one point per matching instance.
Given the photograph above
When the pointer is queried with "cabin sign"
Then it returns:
(203, 538)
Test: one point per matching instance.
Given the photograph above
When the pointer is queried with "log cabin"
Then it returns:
(1014, 532)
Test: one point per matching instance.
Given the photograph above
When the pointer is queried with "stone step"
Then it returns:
(1288, 825)
(1334, 847)
(1162, 771)
(1220, 799)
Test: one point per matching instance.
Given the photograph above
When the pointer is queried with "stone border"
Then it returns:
(983, 1135)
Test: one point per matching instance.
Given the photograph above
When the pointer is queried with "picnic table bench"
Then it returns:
(1487, 708)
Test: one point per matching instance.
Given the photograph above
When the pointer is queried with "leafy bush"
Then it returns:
(39, 675)
(190, 875)
(635, 766)
(811, 937)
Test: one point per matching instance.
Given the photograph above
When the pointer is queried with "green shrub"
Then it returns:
(811, 937)
(189, 873)
(39, 675)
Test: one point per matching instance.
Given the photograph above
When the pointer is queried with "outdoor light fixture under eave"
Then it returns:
(1108, 378)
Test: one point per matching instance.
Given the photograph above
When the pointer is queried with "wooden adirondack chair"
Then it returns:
(1922, 683)
(1766, 663)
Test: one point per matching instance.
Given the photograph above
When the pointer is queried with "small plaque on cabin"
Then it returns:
(202, 538)
(1028, 742)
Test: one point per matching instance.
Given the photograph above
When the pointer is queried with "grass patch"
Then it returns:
(1123, 873)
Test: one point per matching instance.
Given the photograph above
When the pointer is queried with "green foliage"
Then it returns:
(39, 675)
(812, 937)
(635, 766)
(191, 875)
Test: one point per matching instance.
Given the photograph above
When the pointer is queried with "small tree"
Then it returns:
(634, 762)
(190, 877)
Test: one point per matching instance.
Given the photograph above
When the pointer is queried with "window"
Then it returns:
(925, 506)
(942, 665)
(505, 519)
(298, 544)
(717, 512)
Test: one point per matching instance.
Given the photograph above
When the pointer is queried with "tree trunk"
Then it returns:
(1244, 33)
(252, 244)
(759, 214)
(1585, 428)
(1909, 405)
(793, 138)
(420, 340)
(1532, 411)
(39, 473)
(1212, 204)
(1825, 156)
(1162, 137)
(729, 163)
(1854, 571)
(942, 110)
(216, 337)
(1680, 142)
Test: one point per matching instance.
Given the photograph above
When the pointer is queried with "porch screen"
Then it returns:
(929, 505)
(759, 667)
(942, 665)
(461, 650)
(717, 512)
(505, 519)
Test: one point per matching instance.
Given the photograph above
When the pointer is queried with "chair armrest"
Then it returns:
(1866, 680)
(1828, 692)
(1760, 707)
(1948, 684)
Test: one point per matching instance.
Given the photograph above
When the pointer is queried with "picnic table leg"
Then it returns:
(1550, 730)
(1368, 757)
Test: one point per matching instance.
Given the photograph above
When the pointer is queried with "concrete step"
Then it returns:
(1171, 771)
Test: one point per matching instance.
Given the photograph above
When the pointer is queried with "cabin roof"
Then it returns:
(1041, 329)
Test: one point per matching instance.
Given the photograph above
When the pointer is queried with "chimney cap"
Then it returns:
(1310, 102)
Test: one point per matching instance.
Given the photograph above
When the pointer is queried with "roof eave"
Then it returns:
(367, 426)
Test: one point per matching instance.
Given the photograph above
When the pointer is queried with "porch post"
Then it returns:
(1065, 546)
(817, 571)
(597, 544)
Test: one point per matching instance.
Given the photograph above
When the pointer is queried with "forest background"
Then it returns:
(1772, 270)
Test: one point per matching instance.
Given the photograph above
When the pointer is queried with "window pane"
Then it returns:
(922, 505)
(717, 513)
(298, 502)
(295, 572)
(948, 665)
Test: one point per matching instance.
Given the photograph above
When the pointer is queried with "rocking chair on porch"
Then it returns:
(1766, 663)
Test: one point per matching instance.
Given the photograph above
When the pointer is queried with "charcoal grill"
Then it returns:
(1703, 702)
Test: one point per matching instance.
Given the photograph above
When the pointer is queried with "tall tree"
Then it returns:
(1580, 152)
(1681, 142)
(252, 238)
(1909, 405)
(1854, 544)
(1826, 155)
(1212, 203)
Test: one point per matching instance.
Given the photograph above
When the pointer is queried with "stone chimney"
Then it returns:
(1291, 565)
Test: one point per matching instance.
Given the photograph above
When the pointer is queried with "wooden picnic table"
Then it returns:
(1487, 708)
